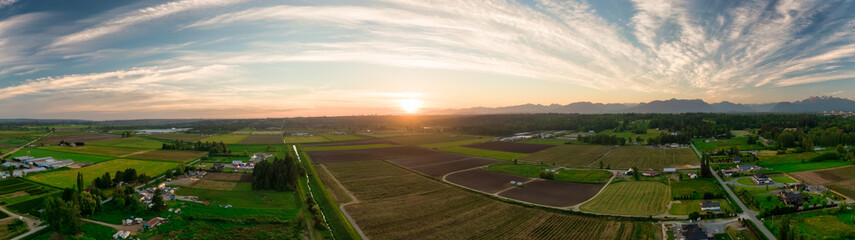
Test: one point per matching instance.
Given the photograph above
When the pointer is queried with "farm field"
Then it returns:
(568, 155)
(187, 137)
(348, 147)
(305, 139)
(227, 139)
(349, 143)
(800, 167)
(40, 152)
(80, 137)
(685, 207)
(510, 147)
(416, 212)
(454, 143)
(631, 198)
(99, 150)
(483, 153)
(649, 158)
(771, 157)
(783, 179)
(336, 190)
(367, 154)
(564, 175)
(839, 179)
(739, 142)
(544, 141)
(132, 142)
(483, 180)
(438, 170)
(553, 193)
(16, 190)
(249, 149)
(269, 132)
(167, 155)
(262, 139)
(66, 178)
(337, 137)
(430, 138)
(267, 200)
(695, 188)
(629, 135)
(818, 224)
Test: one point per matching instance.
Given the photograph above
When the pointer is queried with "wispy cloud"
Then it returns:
(6, 3)
(126, 20)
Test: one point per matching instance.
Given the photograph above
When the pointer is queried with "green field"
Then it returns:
(132, 142)
(99, 150)
(800, 167)
(167, 155)
(66, 178)
(818, 224)
(568, 155)
(685, 207)
(40, 152)
(629, 135)
(305, 139)
(349, 147)
(227, 139)
(483, 153)
(771, 157)
(249, 149)
(649, 158)
(566, 175)
(746, 181)
(244, 198)
(783, 179)
(695, 187)
(187, 137)
(640, 198)
(337, 138)
(739, 142)
(455, 143)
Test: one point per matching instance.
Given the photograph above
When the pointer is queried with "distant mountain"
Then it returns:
(672, 106)
(812, 104)
(816, 104)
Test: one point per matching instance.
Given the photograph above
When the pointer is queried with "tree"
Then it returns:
(694, 215)
(841, 149)
(157, 204)
(785, 228)
(635, 174)
(786, 140)
(61, 216)
(89, 203)
(79, 182)
(601, 164)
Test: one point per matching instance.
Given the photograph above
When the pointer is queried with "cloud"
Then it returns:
(129, 19)
(6, 3)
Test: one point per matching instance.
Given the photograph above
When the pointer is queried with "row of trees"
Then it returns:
(281, 174)
(128, 176)
(63, 213)
(215, 148)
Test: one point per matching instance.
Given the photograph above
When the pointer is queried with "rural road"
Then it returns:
(132, 228)
(747, 213)
(32, 224)
(23, 146)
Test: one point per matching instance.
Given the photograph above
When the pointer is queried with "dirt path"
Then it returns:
(32, 224)
(601, 156)
(509, 188)
(135, 153)
(23, 146)
(614, 175)
(353, 199)
(131, 228)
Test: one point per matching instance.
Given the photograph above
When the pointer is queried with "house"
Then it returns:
(649, 174)
(4, 175)
(747, 167)
(122, 235)
(260, 157)
(729, 172)
(154, 222)
(761, 179)
(710, 206)
(628, 172)
(693, 232)
(737, 159)
(791, 197)
(669, 170)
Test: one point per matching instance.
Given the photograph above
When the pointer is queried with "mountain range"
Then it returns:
(810, 105)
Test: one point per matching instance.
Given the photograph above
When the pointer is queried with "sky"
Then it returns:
(107, 59)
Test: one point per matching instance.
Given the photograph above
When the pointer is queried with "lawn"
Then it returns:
(132, 142)
(227, 139)
(800, 167)
(215, 185)
(66, 178)
(649, 157)
(39, 152)
(637, 198)
(97, 231)
(568, 155)
(685, 207)
(695, 187)
(245, 198)
(483, 153)
(305, 139)
(746, 181)
(566, 175)
(783, 179)
(349, 147)
(336, 137)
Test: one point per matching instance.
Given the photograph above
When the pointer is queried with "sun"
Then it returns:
(410, 105)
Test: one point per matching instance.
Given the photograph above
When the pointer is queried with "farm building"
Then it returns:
(154, 222)
(747, 167)
(761, 179)
(22, 172)
(47, 162)
(260, 157)
(650, 174)
(729, 172)
(669, 170)
(122, 235)
(13, 164)
(22, 158)
(710, 206)
(791, 197)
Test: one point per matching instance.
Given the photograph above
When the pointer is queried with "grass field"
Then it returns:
(568, 155)
(695, 187)
(566, 175)
(264, 133)
(39, 152)
(746, 182)
(215, 185)
(271, 200)
(336, 138)
(800, 167)
(629, 135)
(132, 142)
(249, 149)
(839, 179)
(66, 178)
(99, 150)
(178, 136)
(772, 157)
(783, 179)
(685, 207)
(262, 139)
(818, 225)
(168, 155)
(649, 158)
(483, 153)
(305, 139)
(739, 142)
(349, 147)
(631, 198)
(227, 139)
(546, 141)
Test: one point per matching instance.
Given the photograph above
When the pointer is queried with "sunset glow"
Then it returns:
(410, 105)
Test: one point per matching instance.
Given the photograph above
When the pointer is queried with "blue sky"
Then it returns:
(242, 58)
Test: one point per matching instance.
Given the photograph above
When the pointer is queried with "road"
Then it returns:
(747, 213)
(32, 224)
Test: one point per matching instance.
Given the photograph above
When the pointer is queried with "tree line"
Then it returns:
(215, 148)
(280, 174)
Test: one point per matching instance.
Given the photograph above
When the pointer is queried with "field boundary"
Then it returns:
(601, 156)
(614, 175)
(353, 198)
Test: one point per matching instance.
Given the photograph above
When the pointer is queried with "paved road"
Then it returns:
(747, 213)
(23, 146)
